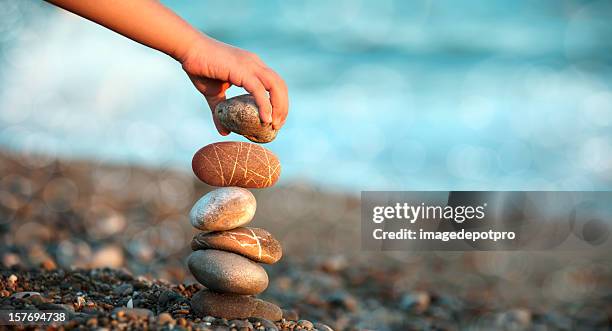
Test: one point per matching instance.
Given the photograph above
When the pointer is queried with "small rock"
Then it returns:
(343, 299)
(334, 264)
(232, 163)
(322, 327)
(241, 325)
(241, 115)
(227, 272)
(10, 259)
(256, 244)
(416, 301)
(12, 280)
(55, 306)
(266, 324)
(133, 312)
(168, 297)
(109, 256)
(290, 315)
(165, 318)
(24, 295)
(48, 264)
(232, 306)
(124, 289)
(223, 209)
(305, 324)
(514, 319)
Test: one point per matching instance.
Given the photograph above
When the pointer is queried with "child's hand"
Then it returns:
(213, 67)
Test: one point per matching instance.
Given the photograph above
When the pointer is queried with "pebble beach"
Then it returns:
(109, 243)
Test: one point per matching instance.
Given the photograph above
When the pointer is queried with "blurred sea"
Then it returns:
(403, 95)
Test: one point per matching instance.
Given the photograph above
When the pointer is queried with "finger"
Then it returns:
(212, 103)
(278, 96)
(256, 88)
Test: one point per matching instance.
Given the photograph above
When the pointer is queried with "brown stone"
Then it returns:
(241, 115)
(256, 244)
(234, 163)
(233, 306)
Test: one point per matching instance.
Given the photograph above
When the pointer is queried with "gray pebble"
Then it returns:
(227, 272)
(124, 289)
(24, 295)
(322, 327)
(267, 324)
(241, 325)
(305, 324)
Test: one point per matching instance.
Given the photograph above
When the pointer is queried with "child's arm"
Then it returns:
(211, 65)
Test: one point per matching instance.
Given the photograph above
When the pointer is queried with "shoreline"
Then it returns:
(65, 214)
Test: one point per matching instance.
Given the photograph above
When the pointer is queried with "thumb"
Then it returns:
(213, 101)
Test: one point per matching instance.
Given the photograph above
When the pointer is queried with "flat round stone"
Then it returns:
(233, 306)
(256, 244)
(241, 115)
(227, 272)
(233, 163)
(223, 209)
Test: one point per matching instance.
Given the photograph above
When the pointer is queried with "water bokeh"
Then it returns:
(385, 95)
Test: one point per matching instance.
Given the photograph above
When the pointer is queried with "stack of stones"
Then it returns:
(226, 256)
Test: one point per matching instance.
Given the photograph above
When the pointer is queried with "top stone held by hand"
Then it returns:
(241, 115)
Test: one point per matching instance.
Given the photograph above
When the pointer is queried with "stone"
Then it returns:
(256, 244)
(233, 306)
(241, 325)
(133, 312)
(305, 324)
(262, 322)
(322, 327)
(24, 295)
(417, 301)
(108, 256)
(223, 209)
(291, 314)
(232, 163)
(241, 115)
(123, 289)
(514, 319)
(227, 272)
(165, 318)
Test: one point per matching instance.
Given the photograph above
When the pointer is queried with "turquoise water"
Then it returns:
(384, 95)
